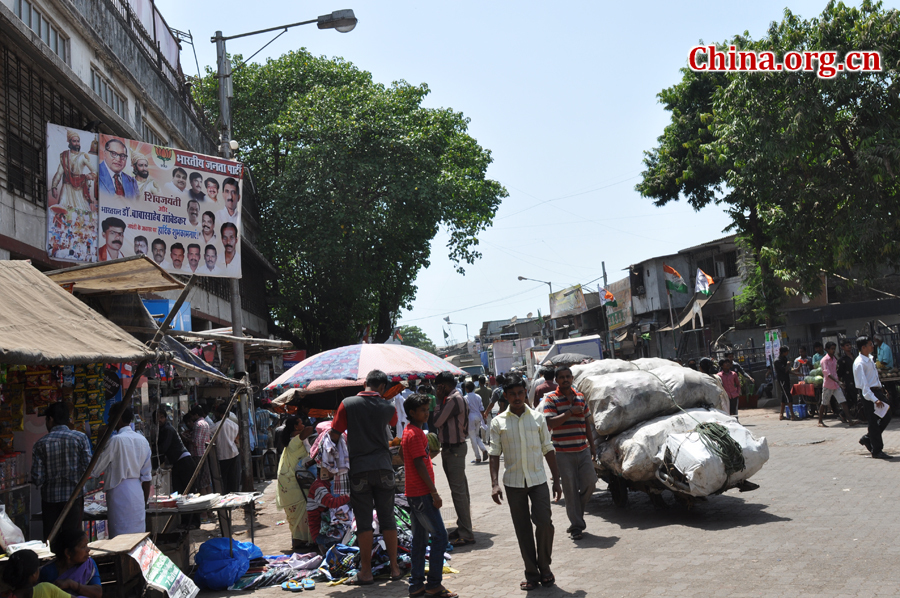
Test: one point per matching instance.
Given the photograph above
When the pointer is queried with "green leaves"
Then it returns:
(354, 180)
(807, 165)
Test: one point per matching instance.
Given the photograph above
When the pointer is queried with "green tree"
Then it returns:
(416, 337)
(354, 179)
(805, 165)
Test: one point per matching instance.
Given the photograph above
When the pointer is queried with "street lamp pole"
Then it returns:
(342, 20)
(551, 292)
(449, 323)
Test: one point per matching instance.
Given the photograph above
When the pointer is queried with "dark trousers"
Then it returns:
(50, 512)
(426, 521)
(876, 424)
(182, 472)
(536, 545)
(231, 474)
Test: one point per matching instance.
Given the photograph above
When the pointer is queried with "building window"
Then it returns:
(151, 136)
(109, 95)
(731, 266)
(30, 102)
(35, 20)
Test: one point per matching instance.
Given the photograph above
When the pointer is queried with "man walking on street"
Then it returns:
(865, 375)
(58, 460)
(547, 385)
(520, 434)
(451, 419)
(783, 377)
(831, 387)
(574, 445)
(366, 418)
(126, 463)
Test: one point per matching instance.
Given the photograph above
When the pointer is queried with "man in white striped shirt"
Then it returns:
(520, 434)
(865, 377)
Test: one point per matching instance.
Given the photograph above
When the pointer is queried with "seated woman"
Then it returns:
(21, 574)
(73, 570)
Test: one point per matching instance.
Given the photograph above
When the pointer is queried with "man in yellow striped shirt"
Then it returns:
(520, 434)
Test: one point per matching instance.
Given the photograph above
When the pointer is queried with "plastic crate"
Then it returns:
(800, 411)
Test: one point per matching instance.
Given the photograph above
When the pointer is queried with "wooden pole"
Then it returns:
(100, 445)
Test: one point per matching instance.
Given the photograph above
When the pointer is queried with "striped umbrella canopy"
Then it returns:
(348, 366)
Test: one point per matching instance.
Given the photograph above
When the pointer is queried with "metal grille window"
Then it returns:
(151, 136)
(109, 95)
(27, 103)
(35, 20)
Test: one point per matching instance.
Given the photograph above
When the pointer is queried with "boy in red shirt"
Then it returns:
(424, 502)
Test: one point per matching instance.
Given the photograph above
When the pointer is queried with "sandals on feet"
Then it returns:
(550, 579)
(461, 542)
(576, 535)
(442, 593)
(420, 591)
(528, 585)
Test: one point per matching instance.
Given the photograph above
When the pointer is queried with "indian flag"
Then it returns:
(674, 281)
(607, 298)
(703, 282)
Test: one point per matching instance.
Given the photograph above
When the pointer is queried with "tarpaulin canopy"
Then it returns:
(137, 274)
(42, 324)
(130, 312)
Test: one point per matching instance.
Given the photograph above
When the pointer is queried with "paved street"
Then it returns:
(821, 524)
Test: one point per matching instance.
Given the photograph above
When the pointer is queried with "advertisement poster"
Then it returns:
(180, 208)
(71, 194)
(161, 573)
(768, 348)
(621, 315)
(567, 302)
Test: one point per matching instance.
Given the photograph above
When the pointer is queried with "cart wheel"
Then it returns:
(619, 491)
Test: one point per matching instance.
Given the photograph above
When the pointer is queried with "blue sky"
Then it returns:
(564, 96)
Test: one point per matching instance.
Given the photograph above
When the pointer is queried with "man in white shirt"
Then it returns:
(227, 444)
(231, 193)
(520, 434)
(126, 463)
(476, 421)
(865, 377)
(230, 263)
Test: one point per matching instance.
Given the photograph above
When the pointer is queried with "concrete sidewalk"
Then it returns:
(821, 524)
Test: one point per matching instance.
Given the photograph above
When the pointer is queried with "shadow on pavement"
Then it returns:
(718, 513)
(594, 541)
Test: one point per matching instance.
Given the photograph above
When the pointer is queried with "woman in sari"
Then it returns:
(289, 496)
(73, 570)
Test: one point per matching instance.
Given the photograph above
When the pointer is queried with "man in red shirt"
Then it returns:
(564, 409)
(548, 385)
(365, 418)
(424, 502)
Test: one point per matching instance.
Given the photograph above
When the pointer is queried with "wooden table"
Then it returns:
(118, 570)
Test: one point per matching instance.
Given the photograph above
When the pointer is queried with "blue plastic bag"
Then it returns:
(218, 567)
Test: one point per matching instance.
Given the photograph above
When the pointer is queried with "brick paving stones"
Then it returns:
(822, 524)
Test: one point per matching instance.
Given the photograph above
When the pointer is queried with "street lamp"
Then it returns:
(552, 322)
(343, 21)
(447, 319)
(535, 280)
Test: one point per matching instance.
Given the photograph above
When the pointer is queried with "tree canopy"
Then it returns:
(354, 179)
(416, 337)
(806, 166)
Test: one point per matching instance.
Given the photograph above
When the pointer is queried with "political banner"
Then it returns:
(71, 194)
(180, 208)
(621, 315)
(567, 302)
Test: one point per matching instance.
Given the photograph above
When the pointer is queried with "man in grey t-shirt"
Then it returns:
(366, 418)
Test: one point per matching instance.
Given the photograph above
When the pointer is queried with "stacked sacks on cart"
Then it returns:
(661, 426)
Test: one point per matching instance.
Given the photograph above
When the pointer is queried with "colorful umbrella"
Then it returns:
(348, 366)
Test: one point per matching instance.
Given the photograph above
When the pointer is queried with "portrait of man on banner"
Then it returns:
(71, 194)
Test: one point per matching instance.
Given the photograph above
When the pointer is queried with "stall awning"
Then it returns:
(137, 274)
(42, 324)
